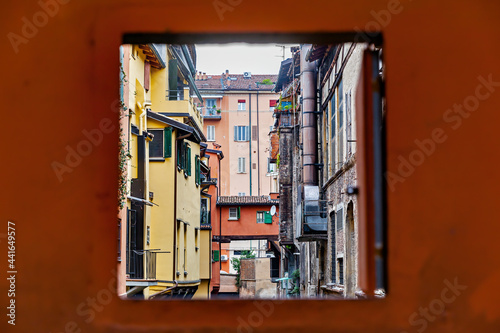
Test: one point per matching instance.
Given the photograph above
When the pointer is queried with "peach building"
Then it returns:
(238, 116)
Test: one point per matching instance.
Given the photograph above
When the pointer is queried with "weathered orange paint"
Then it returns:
(247, 224)
(443, 224)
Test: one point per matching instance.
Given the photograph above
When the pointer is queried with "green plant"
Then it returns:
(124, 153)
(278, 161)
(236, 263)
(296, 281)
(267, 82)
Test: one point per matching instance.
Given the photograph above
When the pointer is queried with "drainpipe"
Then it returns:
(250, 136)
(309, 131)
(258, 145)
(175, 205)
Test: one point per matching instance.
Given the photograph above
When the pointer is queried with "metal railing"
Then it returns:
(136, 266)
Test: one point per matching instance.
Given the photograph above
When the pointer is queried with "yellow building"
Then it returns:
(164, 246)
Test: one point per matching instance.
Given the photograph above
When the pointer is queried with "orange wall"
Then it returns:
(443, 225)
(247, 224)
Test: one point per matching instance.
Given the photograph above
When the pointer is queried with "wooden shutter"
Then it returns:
(197, 170)
(147, 75)
(239, 212)
(235, 133)
(172, 79)
(215, 255)
(168, 142)
(247, 133)
(268, 218)
(188, 164)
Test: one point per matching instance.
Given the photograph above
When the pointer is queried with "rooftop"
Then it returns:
(228, 82)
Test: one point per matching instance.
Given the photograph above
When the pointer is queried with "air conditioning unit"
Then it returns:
(223, 257)
(247, 75)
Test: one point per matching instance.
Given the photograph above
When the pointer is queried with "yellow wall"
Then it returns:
(165, 233)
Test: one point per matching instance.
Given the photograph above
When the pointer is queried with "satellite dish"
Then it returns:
(273, 210)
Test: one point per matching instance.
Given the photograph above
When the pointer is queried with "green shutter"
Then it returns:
(172, 80)
(179, 155)
(215, 255)
(239, 212)
(183, 156)
(268, 218)
(197, 170)
(168, 142)
(188, 164)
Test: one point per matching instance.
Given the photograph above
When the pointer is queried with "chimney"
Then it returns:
(227, 72)
(204, 76)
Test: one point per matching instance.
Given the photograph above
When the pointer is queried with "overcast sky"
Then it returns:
(240, 57)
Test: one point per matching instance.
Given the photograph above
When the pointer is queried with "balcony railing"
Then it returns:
(135, 267)
(210, 113)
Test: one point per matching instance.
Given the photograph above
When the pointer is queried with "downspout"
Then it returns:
(177, 139)
(220, 224)
(258, 145)
(309, 130)
(250, 136)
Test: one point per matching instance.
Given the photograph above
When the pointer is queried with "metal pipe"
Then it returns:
(250, 136)
(258, 146)
(309, 129)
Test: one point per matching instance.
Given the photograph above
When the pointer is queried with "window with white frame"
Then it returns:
(241, 133)
(234, 213)
(241, 194)
(241, 164)
(242, 105)
(210, 133)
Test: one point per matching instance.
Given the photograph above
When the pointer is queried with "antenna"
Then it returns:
(283, 47)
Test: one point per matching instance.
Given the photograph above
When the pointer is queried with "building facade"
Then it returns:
(167, 252)
(238, 116)
(316, 131)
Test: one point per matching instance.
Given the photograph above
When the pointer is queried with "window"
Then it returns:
(241, 165)
(241, 194)
(184, 158)
(340, 219)
(340, 264)
(161, 145)
(237, 252)
(241, 105)
(156, 146)
(210, 133)
(271, 167)
(211, 106)
(241, 133)
(260, 217)
(264, 217)
(234, 213)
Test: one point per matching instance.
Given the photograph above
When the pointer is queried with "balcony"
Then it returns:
(138, 269)
(210, 113)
